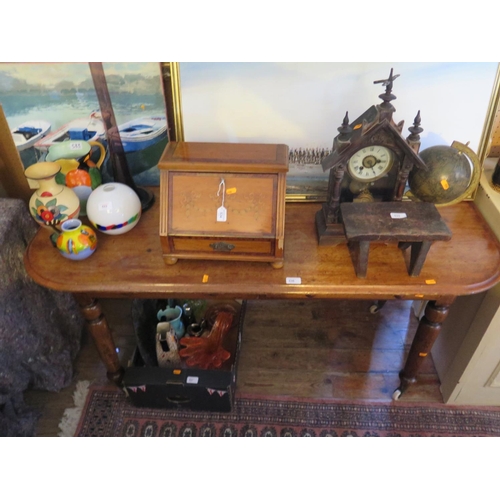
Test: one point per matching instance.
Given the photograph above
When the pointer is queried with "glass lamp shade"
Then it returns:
(114, 208)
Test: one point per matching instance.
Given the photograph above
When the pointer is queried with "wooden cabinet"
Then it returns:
(223, 201)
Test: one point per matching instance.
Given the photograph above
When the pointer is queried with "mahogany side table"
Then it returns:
(131, 266)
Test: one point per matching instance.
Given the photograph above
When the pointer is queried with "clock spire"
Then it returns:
(386, 108)
(344, 137)
(345, 129)
(414, 138)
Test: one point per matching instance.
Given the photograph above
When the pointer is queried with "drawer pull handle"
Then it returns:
(221, 246)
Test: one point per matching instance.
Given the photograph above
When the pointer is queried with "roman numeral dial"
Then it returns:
(370, 163)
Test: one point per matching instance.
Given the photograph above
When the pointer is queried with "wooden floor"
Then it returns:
(321, 349)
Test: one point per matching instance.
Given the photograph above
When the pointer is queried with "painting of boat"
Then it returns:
(83, 129)
(141, 133)
(28, 133)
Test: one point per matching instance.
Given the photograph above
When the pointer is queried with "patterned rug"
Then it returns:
(108, 412)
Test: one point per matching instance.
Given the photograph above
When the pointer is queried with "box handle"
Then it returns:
(179, 400)
(222, 246)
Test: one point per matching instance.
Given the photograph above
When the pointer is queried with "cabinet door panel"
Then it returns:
(249, 199)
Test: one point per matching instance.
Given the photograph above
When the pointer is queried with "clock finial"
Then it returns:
(414, 138)
(387, 83)
(344, 137)
(345, 128)
(416, 129)
(388, 96)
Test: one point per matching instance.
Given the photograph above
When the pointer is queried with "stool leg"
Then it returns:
(419, 252)
(359, 255)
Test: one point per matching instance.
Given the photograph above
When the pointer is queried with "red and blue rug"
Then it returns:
(108, 412)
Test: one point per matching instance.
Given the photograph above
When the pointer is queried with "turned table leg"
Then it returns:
(428, 329)
(103, 338)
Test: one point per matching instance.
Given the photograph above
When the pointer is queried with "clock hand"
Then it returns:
(370, 161)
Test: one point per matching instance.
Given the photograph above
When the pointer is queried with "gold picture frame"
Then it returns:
(170, 72)
(466, 86)
(14, 184)
(490, 138)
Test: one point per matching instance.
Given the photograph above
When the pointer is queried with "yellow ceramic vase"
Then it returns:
(77, 241)
(51, 204)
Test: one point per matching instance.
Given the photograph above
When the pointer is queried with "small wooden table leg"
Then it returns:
(359, 251)
(419, 250)
(103, 338)
(427, 332)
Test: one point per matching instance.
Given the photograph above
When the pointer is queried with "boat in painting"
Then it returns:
(83, 129)
(141, 133)
(28, 133)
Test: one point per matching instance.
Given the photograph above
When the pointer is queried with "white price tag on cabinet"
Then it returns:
(221, 211)
(221, 214)
(293, 281)
(398, 215)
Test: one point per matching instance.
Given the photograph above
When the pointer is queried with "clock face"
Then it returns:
(370, 163)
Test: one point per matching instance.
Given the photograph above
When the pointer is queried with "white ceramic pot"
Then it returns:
(114, 208)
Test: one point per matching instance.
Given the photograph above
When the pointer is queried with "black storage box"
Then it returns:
(186, 387)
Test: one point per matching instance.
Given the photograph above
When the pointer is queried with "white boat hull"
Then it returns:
(28, 133)
(142, 133)
(87, 129)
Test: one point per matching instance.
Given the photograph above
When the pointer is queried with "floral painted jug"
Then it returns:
(77, 241)
(78, 170)
(51, 204)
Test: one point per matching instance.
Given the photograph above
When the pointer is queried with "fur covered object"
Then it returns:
(40, 329)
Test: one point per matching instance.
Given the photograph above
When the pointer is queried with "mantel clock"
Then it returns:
(370, 161)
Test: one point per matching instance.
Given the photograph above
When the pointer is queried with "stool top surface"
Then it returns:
(398, 221)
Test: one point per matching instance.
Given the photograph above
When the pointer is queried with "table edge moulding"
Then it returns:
(131, 265)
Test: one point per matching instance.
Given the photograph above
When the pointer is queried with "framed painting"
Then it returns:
(491, 134)
(47, 103)
(303, 104)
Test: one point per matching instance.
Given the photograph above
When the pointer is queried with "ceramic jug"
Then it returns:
(51, 204)
(173, 315)
(78, 171)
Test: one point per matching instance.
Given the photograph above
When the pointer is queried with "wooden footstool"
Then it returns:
(411, 224)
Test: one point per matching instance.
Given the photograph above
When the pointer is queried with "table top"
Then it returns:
(131, 265)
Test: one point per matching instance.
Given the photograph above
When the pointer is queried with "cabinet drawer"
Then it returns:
(222, 246)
